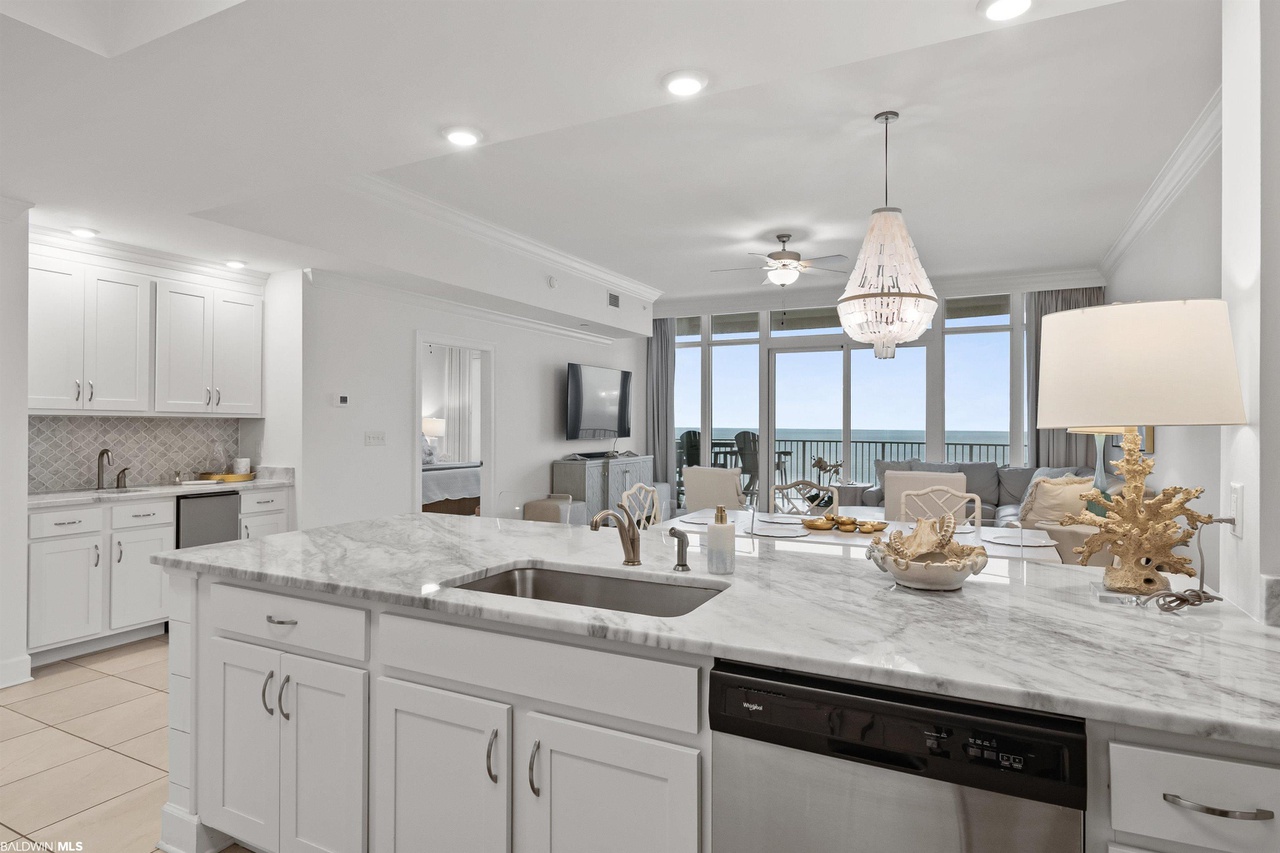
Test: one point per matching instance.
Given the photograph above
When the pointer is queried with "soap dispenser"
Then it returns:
(720, 544)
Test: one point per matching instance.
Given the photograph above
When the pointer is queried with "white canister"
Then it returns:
(240, 466)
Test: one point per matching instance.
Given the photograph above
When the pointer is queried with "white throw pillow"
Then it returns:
(1053, 499)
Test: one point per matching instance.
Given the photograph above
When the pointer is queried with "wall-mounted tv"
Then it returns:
(599, 404)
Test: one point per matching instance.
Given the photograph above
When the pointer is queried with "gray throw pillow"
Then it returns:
(883, 465)
(983, 480)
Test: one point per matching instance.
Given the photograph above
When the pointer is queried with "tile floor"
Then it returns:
(84, 751)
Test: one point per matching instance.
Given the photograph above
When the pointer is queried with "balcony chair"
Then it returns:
(707, 488)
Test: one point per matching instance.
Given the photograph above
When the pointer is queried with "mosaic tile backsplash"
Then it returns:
(62, 452)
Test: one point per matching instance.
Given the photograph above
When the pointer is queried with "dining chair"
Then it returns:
(803, 497)
(897, 482)
(707, 488)
(642, 501)
(937, 501)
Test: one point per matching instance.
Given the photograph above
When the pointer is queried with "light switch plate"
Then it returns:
(375, 438)
(1237, 506)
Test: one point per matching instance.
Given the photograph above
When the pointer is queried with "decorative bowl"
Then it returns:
(821, 523)
(932, 570)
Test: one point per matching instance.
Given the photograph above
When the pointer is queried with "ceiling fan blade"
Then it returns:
(824, 259)
(822, 269)
(741, 269)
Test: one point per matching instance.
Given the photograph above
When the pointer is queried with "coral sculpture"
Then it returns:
(1141, 532)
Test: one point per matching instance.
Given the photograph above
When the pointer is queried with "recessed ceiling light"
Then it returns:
(1003, 10)
(685, 83)
(463, 137)
(86, 233)
(236, 265)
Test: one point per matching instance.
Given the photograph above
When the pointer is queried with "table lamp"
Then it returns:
(433, 428)
(1112, 369)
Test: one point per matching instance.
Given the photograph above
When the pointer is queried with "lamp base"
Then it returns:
(1134, 578)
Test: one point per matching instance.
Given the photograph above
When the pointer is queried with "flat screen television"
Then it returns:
(599, 405)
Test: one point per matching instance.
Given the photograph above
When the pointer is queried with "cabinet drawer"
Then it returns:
(64, 522)
(142, 515)
(321, 627)
(648, 691)
(1141, 777)
(252, 501)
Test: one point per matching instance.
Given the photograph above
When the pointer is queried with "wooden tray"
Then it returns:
(226, 478)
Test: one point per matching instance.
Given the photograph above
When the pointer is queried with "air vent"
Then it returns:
(615, 301)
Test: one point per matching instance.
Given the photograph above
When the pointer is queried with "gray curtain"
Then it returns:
(661, 384)
(1054, 448)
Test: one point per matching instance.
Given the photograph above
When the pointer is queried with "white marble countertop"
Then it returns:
(49, 500)
(1021, 634)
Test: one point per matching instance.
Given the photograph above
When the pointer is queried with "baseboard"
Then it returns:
(15, 670)
(96, 644)
(182, 832)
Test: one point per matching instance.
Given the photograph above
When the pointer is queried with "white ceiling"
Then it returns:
(111, 27)
(1021, 147)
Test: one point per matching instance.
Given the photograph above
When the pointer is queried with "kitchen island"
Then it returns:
(334, 609)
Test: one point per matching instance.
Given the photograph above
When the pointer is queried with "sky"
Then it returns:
(888, 394)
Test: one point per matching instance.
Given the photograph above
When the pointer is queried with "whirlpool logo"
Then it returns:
(753, 706)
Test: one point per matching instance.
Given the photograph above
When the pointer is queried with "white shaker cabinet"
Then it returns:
(267, 524)
(64, 589)
(117, 338)
(591, 789)
(286, 750)
(138, 588)
(443, 765)
(55, 360)
(184, 347)
(237, 353)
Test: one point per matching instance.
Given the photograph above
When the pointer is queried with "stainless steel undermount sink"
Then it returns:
(608, 592)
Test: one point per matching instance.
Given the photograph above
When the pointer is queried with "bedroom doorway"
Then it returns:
(453, 392)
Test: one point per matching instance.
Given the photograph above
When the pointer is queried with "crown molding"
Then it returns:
(953, 286)
(1197, 146)
(12, 208)
(58, 239)
(395, 195)
(346, 284)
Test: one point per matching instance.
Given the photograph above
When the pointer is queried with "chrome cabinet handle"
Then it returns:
(90, 390)
(1256, 814)
(97, 556)
(280, 698)
(488, 756)
(143, 514)
(265, 682)
(218, 391)
(77, 390)
(271, 620)
(208, 395)
(246, 531)
(65, 523)
(119, 551)
(533, 756)
(261, 503)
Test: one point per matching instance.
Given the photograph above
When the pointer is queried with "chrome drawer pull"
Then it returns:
(280, 698)
(91, 391)
(97, 556)
(208, 396)
(488, 756)
(1256, 814)
(265, 682)
(119, 551)
(65, 523)
(533, 756)
(143, 514)
(260, 503)
(77, 390)
(274, 621)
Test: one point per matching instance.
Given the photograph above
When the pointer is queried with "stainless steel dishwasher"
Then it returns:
(204, 519)
(817, 765)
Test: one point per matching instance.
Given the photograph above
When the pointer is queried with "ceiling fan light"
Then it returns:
(782, 276)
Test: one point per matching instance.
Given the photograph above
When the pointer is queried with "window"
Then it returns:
(805, 321)
(887, 409)
(978, 379)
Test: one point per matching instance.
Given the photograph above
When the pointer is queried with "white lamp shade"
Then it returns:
(1139, 364)
(889, 299)
(783, 276)
(433, 427)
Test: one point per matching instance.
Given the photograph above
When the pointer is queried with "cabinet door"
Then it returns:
(257, 526)
(323, 757)
(604, 790)
(443, 771)
(239, 750)
(237, 353)
(64, 590)
(117, 355)
(55, 328)
(184, 347)
(138, 588)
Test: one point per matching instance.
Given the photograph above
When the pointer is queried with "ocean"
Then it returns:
(953, 436)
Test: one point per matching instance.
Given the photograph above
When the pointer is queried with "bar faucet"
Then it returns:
(122, 479)
(104, 453)
(682, 549)
(628, 532)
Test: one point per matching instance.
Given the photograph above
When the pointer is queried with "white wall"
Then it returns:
(15, 665)
(361, 339)
(434, 387)
(1241, 558)
(1180, 257)
(1270, 297)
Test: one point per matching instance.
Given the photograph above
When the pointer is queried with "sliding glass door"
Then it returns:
(809, 427)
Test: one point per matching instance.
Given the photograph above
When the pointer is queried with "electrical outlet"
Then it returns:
(1237, 507)
(375, 438)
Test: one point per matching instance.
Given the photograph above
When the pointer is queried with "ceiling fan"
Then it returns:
(784, 266)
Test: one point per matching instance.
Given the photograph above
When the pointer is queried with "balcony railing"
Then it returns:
(794, 457)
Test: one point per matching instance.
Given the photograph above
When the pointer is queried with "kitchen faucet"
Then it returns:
(104, 453)
(628, 532)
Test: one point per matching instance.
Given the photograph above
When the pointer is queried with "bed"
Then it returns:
(443, 481)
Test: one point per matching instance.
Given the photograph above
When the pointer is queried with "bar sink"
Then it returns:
(608, 592)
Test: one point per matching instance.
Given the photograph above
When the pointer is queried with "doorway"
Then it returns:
(453, 438)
